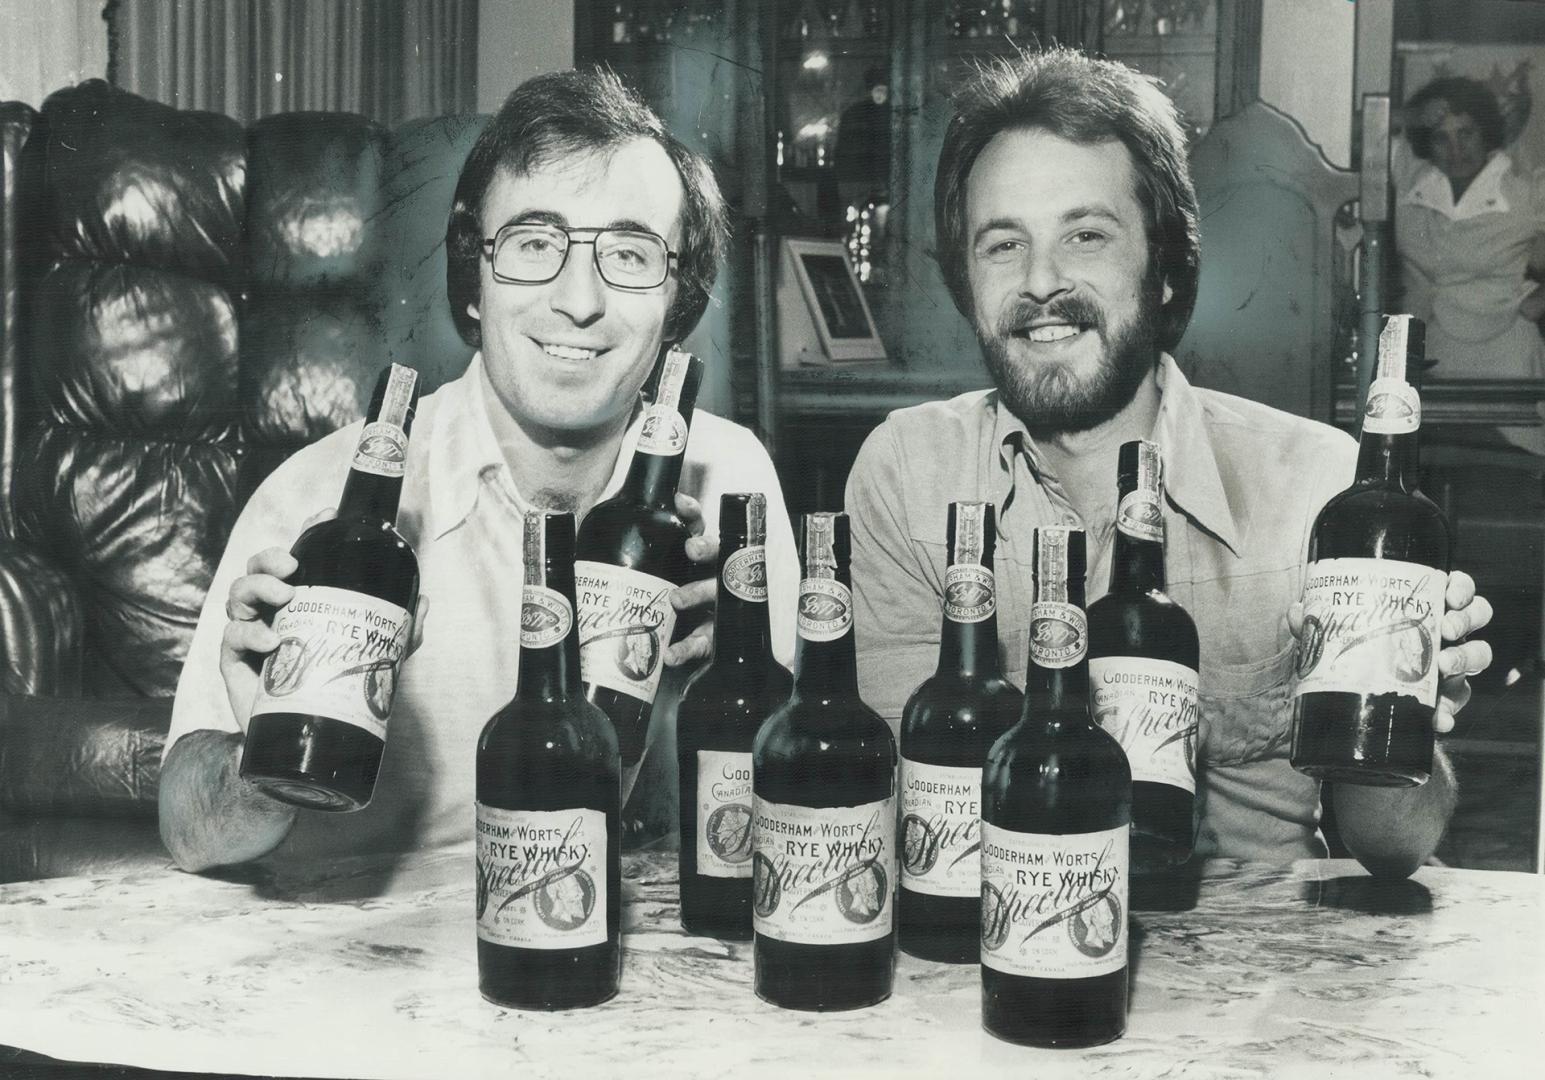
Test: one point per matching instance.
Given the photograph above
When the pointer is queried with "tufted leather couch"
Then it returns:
(183, 303)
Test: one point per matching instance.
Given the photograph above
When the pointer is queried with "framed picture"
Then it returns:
(816, 275)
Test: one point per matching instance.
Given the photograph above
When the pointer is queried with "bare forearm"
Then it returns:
(1392, 831)
(210, 816)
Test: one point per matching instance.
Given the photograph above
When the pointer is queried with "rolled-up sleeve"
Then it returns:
(896, 607)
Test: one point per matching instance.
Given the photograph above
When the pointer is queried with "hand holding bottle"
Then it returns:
(1464, 612)
(250, 605)
(694, 599)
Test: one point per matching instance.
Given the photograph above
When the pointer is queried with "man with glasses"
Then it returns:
(583, 238)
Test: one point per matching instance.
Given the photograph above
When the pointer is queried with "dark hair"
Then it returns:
(572, 112)
(1087, 101)
(1462, 95)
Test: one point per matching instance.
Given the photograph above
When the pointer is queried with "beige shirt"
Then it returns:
(462, 513)
(1244, 483)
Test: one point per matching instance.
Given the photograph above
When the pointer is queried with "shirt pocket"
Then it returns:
(1246, 710)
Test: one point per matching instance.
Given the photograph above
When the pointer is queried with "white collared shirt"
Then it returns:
(462, 513)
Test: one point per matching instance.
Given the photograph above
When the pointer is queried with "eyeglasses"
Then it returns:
(527, 253)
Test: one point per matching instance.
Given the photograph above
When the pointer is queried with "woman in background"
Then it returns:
(1470, 229)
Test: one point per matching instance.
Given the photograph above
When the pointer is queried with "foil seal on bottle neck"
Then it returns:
(382, 449)
(1059, 629)
(664, 430)
(1394, 407)
(745, 569)
(820, 546)
(825, 604)
(545, 614)
(970, 588)
(1140, 513)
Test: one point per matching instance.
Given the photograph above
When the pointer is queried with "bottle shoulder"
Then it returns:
(800, 727)
(566, 727)
(947, 706)
(1378, 521)
(1146, 624)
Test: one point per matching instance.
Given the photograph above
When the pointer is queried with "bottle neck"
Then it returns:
(1137, 565)
(652, 479)
(551, 672)
(969, 649)
(1057, 699)
(741, 627)
(1390, 460)
(827, 670)
(366, 495)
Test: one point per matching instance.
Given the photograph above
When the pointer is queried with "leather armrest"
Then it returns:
(81, 756)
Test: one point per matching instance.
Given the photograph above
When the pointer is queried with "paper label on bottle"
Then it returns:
(1141, 515)
(745, 574)
(1394, 408)
(1059, 633)
(1371, 626)
(823, 875)
(1054, 906)
(541, 877)
(825, 609)
(545, 617)
(970, 593)
(1150, 708)
(625, 625)
(337, 657)
(723, 814)
(664, 432)
(383, 445)
(940, 821)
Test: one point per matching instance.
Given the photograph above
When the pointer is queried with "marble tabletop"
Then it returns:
(366, 968)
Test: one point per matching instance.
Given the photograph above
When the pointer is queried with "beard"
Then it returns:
(1051, 398)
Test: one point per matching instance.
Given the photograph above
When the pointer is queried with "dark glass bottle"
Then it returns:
(1143, 658)
(631, 553)
(318, 727)
(1056, 819)
(722, 709)
(948, 725)
(549, 863)
(1373, 597)
(824, 816)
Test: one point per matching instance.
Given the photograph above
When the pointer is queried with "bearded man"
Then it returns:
(1066, 222)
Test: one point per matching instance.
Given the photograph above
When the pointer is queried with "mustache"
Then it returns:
(1078, 310)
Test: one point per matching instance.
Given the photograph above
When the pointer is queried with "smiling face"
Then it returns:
(1063, 297)
(568, 357)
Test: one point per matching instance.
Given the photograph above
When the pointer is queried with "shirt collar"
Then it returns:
(462, 448)
(1484, 195)
(464, 452)
(1193, 482)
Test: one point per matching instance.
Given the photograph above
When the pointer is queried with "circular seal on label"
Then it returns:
(664, 431)
(1140, 516)
(545, 617)
(1059, 634)
(380, 684)
(766, 892)
(1095, 928)
(970, 593)
(1394, 408)
(861, 894)
(825, 609)
(382, 449)
(995, 917)
(729, 832)
(919, 845)
(286, 664)
(745, 574)
(565, 903)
